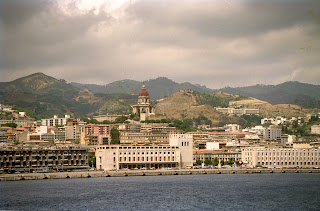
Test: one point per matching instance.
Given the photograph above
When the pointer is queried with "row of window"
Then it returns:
(289, 163)
(289, 153)
(129, 159)
(289, 158)
(129, 153)
(143, 147)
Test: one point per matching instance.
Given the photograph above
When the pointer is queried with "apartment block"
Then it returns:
(43, 157)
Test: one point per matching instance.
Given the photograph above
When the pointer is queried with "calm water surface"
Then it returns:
(189, 192)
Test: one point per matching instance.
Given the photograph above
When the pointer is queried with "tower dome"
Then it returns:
(143, 91)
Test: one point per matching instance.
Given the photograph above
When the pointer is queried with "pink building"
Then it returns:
(96, 130)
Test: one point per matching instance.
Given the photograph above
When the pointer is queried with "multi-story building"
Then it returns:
(281, 157)
(73, 132)
(96, 134)
(43, 157)
(273, 133)
(144, 138)
(222, 155)
(55, 121)
(3, 137)
(96, 130)
(178, 154)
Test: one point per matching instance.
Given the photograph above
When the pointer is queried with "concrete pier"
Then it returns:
(91, 174)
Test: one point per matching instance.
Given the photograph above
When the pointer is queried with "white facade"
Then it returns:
(185, 144)
(55, 121)
(212, 145)
(315, 129)
(281, 157)
(178, 154)
(232, 127)
(259, 130)
(275, 121)
(118, 157)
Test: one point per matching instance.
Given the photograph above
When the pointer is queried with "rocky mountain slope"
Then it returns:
(292, 92)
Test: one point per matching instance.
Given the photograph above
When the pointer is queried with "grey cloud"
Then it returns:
(16, 12)
(214, 43)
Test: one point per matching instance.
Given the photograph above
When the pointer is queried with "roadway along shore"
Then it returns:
(87, 174)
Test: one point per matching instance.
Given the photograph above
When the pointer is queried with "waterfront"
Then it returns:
(189, 192)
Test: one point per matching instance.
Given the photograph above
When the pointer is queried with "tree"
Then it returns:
(92, 160)
(9, 125)
(121, 119)
(115, 136)
(230, 161)
(215, 161)
(199, 162)
(207, 162)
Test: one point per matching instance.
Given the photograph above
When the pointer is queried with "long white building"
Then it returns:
(178, 154)
(281, 157)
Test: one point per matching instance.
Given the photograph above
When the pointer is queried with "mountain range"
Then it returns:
(158, 88)
(292, 92)
(44, 96)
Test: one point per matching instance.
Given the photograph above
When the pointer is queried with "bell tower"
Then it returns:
(144, 106)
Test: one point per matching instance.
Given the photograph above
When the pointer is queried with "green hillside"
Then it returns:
(44, 96)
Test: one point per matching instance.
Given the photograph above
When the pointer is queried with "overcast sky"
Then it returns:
(213, 43)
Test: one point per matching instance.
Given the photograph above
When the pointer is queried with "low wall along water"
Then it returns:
(86, 174)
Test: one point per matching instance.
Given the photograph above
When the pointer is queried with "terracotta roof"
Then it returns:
(20, 128)
(143, 93)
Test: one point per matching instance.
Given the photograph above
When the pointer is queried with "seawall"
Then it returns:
(91, 174)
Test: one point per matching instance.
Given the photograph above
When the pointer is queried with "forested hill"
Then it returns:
(43, 96)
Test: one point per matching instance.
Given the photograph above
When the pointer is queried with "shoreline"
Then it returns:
(122, 173)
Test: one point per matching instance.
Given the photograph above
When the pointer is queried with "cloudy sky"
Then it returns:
(213, 43)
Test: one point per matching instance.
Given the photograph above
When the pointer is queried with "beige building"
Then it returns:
(315, 129)
(178, 154)
(272, 133)
(281, 157)
(20, 123)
